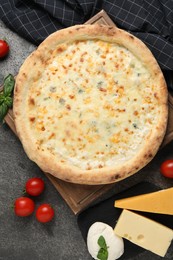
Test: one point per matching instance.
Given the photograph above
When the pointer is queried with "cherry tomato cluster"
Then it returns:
(4, 48)
(166, 168)
(24, 206)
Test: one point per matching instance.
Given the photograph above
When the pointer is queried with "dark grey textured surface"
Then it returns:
(25, 238)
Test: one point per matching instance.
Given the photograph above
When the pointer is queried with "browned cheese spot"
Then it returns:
(31, 101)
(102, 89)
(68, 107)
(71, 96)
(51, 136)
(156, 95)
(135, 113)
(32, 119)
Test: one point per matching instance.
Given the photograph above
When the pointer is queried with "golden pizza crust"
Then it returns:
(32, 70)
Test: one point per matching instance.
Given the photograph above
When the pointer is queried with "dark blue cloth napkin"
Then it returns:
(151, 21)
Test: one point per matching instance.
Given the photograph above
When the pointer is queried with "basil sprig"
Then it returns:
(6, 100)
(103, 251)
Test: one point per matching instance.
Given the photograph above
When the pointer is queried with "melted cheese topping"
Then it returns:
(93, 105)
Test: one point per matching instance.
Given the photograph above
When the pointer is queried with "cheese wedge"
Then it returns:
(144, 232)
(156, 202)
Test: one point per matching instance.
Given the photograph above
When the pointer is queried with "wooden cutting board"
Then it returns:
(79, 196)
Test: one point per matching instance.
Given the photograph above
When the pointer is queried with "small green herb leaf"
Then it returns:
(103, 252)
(102, 242)
(9, 101)
(80, 91)
(135, 125)
(62, 101)
(6, 100)
(1, 98)
(3, 111)
(8, 85)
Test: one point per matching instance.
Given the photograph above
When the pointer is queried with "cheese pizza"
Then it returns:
(90, 105)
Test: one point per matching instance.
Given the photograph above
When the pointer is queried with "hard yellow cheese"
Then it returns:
(156, 202)
(144, 232)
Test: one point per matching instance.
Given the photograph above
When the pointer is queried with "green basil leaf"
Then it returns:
(102, 242)
(3, 111)
(8, 85)
(103, 251)
(8, 101)
(1, 98)
(102, 254)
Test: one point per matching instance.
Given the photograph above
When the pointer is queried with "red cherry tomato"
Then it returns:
(4, 48)
(44, 213)
(166, 168)
(23, 206)
(34, 186)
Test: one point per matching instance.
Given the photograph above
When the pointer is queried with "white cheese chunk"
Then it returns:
(144, 232)
(114, 243)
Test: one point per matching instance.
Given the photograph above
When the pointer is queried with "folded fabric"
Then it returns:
(151, 21)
